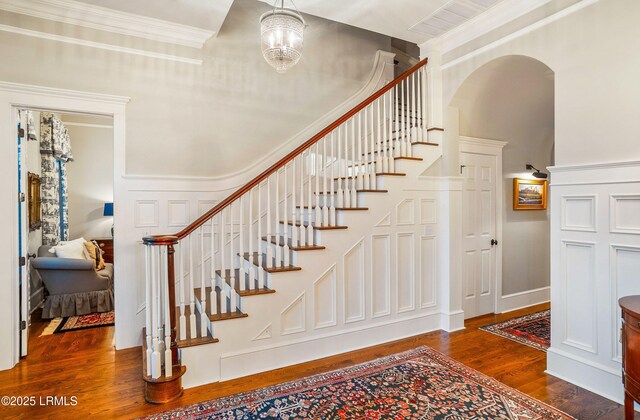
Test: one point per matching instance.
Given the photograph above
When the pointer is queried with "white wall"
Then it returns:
(33, 163)
(511, 99)
(90, 178)
(213, 119)
(586, 44)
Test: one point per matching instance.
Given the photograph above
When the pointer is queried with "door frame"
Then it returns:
(12, 97)
(489, 147)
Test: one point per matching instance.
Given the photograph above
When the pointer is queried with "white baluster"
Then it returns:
(354, 167)
(269, 232)
(252, 269)
(339, 196)
(223, 271)
(365, 182)
(347, 191)
(309, 226)
(182, 321)
(414, 128)
(156, 362)
(373, 182)
(192, 289)
(331, 196)
(419, 136)
(241, 271)
(232, 262)
(325, 197)
(396, 100)
(276, 203)
(392, 161)
(317, 214)
(261, 273)
(425, 86)
(285, 237)
(149, 309)
(168, 366)
(294, 227)
(302, 231)
(361, 158)
(379, 157)
(405, 117)
(203, 284)
(213, 302)
(385, 144)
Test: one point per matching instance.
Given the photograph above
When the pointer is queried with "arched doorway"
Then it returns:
(510, 99)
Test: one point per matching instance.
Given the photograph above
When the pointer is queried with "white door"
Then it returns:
(478, 233)
(23, 234)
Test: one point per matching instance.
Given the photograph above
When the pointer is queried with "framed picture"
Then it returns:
(529, 194)
(34, 201)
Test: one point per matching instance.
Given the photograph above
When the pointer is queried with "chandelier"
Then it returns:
(282, 33)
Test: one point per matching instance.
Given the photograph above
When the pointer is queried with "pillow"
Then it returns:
(71, 249)
(95, 253)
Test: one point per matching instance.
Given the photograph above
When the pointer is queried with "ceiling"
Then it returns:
(410, 20)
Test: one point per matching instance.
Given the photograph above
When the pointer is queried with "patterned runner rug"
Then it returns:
(73, 323)
(534, 330)
(417, 384)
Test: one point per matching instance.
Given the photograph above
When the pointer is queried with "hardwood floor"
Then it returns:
(108, 383)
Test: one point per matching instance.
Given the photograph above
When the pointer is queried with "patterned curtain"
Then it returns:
(55, 150)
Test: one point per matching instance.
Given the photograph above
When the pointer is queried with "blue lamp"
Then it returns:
(108, 211)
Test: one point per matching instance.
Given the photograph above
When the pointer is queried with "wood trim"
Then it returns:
(257, 180)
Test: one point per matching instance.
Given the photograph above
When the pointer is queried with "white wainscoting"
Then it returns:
(595, 260)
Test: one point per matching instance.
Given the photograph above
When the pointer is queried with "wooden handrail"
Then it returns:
(273, 168)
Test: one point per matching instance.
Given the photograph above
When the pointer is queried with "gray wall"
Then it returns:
(208, 120)
(512, 99)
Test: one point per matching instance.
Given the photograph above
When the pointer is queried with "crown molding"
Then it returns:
(109, 20)
(99, 45)
(62, 93)
(494, 17)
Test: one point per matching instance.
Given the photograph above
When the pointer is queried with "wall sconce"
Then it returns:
(537, 173)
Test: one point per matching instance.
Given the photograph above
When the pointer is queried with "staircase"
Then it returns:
(230, 294)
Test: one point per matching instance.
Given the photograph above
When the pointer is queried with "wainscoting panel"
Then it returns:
(428, 213)
(405, 277)
(579, 213)
(325, 300)
(380, 275)
(625, 276)
(625, 213)
(178, 214)
(428, 270)
(595, 260)
(405, 212)
(580, 311)
(354, 284)
(293, 318)
(147, 213)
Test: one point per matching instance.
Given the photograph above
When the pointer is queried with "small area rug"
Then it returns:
(417, 384)
(534, 330)
(81, 322)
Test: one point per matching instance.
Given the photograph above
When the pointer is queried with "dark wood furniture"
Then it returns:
(106, 244)
(630, 352)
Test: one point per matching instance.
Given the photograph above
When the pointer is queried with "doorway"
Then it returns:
(65, 216)
(511, 99)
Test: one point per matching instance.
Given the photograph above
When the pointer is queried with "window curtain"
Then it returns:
(55, 151)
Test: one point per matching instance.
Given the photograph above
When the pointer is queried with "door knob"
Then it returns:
(494, 242)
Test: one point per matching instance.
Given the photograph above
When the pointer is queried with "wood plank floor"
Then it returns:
(108, 383)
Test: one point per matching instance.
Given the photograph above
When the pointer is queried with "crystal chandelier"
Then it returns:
(282, 33)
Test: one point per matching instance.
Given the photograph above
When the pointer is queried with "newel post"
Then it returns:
(163, 377)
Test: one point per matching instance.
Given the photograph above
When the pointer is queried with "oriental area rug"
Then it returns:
(534, 330)
(81, 322)
(417, 384)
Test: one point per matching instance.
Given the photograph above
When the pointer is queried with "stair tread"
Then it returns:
(295, 248)
(367, 191)
(218, 316)
(190, 342)
(254, 260)
(341, 208)
(247, 292)
(377, 174)
(290, 223)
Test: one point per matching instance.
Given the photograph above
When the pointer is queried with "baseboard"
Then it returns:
(586, 374)
(236, 365)
(453, 321)
(524, 299)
